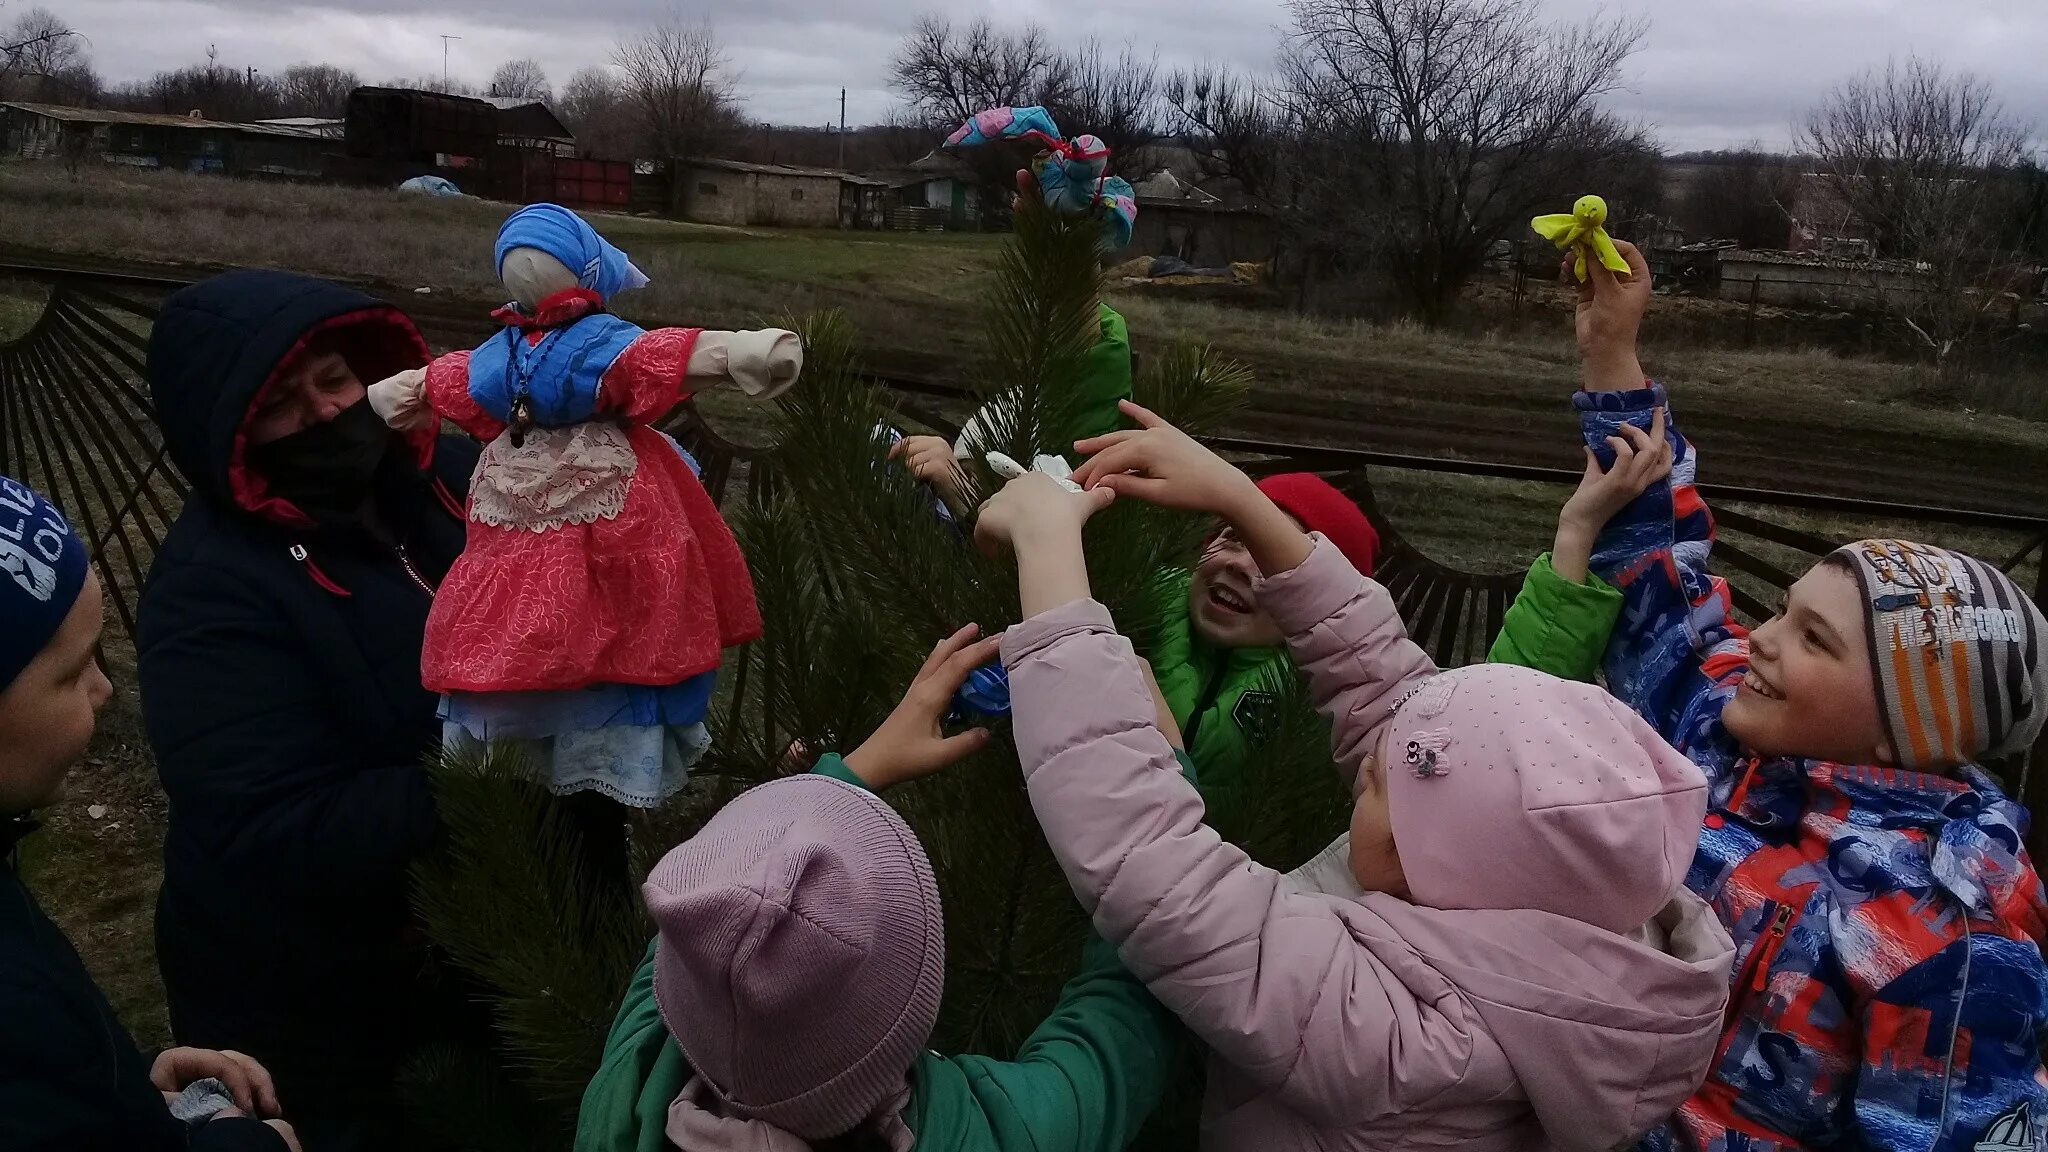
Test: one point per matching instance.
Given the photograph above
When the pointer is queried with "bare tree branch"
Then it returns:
(1431, 129)
(1926, 165)
(316, 90)
(594, 106)
(679, 83)
(525, 79)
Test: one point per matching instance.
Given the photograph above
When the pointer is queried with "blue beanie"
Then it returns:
(46, 561)
(567, 237)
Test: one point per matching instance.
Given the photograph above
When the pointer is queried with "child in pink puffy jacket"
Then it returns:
(1518, 965)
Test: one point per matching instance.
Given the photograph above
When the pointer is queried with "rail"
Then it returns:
(75, 421)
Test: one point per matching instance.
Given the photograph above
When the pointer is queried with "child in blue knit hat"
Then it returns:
(70, 1076)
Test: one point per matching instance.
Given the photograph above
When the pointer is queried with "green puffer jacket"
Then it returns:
(1084, 1081)
(1220, 696)
(1105, 378)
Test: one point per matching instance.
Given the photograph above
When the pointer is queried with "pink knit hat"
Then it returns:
(1509, 788)
(802, 953)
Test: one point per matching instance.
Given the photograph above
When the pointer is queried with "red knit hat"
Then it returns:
(1321, 508)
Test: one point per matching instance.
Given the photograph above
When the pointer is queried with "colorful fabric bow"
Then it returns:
(1071, 173)
(1583, 229)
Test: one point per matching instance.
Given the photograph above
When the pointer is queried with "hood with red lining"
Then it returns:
(220, 344)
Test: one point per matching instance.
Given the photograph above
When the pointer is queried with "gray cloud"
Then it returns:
(1712, 73)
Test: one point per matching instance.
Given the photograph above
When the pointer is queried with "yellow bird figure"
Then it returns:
(1583, 229)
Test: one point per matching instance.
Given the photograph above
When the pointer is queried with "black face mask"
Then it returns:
(327, 470)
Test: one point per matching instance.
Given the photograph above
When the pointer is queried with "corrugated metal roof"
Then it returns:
(71, 115)
(785, 170)
(1816, 260)
(104, 116)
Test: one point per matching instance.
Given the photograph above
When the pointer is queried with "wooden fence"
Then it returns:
(75, 422)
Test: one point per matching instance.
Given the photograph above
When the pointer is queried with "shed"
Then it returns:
(420, 128)
(1203, 235)
(1805, 279)
(524, 122)
(328, 127)
(738, 193)
(153, 140)
(938, 191)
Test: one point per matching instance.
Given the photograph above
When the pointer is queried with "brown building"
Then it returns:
(1203, 235)
(739, 194)
(1810, 280)
(152, 140)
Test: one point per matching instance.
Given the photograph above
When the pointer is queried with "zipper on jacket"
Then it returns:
(1766, 949)
(405, 561)
(1207, 700)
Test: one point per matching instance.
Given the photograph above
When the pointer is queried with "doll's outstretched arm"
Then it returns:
(401, 400)
(422, 397)
(763, 363)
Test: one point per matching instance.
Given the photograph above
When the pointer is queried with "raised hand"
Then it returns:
(1640, 460)
(1034, 510)
(911, 744)
(931, 460)
(1162, 465)
(1610, 316)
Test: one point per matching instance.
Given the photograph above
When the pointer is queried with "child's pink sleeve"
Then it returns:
(1346, 635)
(650, 376)
(448, 395)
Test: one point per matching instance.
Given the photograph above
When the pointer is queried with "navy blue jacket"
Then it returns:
(71, 1079)
(280, 680)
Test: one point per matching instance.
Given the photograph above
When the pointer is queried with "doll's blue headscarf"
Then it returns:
(567, 237)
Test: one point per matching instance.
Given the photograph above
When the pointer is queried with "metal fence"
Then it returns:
(75, 421)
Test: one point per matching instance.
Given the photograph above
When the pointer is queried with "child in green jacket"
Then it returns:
(788, 1000)
(1217, 657)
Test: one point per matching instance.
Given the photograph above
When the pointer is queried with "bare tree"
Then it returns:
(39, 43)
(1435, 128)
(1116, 98)
(593, 105)
(682, 91)
(41, 58)
(316, 90)
(1235, 126)
(947, 75)
(435, 82)
(525, 79)
(1745, 196)
(1922, 161)
(214, 90)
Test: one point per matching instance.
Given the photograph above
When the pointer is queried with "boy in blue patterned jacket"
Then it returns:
(1889, 984)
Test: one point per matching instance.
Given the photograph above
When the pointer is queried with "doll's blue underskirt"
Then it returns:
(634, 744)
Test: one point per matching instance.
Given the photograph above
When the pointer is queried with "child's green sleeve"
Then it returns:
(1085, 1081)
(1105, 378)
(1556, 626)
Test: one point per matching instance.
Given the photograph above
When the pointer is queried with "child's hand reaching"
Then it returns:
(910, 744)
(931, 460)
(1610, 313)
(1040, 520)
(1162, 465)
(1035, 510)
(1640, 460)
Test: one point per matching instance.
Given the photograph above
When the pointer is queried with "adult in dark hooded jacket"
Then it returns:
(279, 641)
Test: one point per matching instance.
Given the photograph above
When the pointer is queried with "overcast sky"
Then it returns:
(1712, 73)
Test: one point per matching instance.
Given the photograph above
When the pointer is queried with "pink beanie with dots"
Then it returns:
(1509, 788)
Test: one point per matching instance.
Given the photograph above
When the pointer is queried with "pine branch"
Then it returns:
(511, 899)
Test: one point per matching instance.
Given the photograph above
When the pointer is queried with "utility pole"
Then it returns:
(445, 38)
(842, 129)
